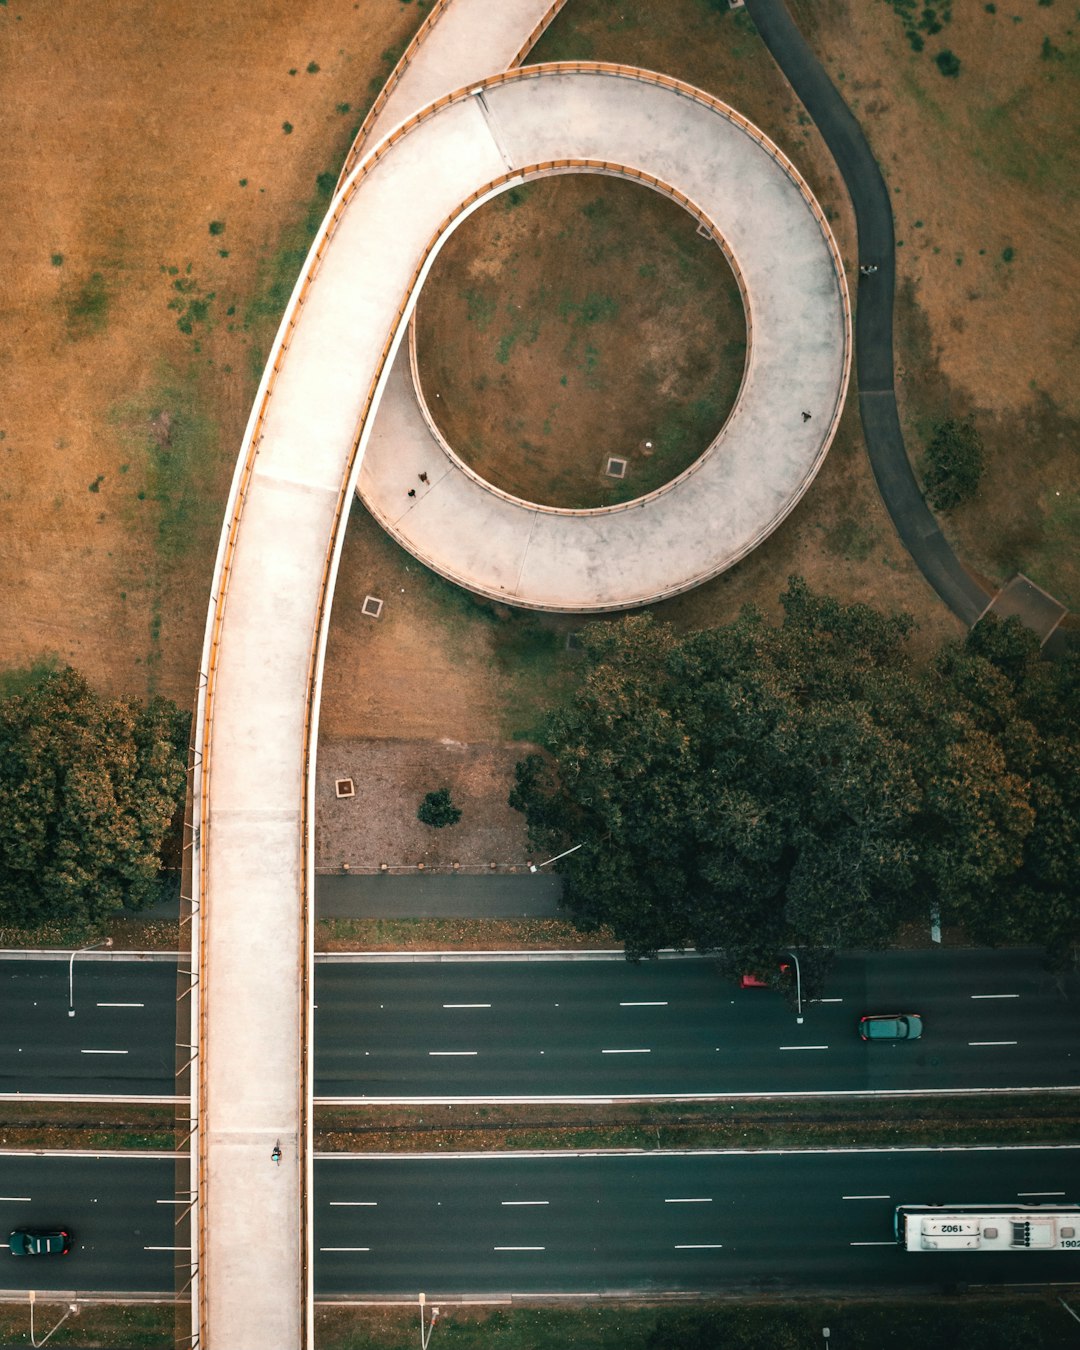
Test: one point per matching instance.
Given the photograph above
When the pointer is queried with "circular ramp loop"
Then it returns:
(675, 140)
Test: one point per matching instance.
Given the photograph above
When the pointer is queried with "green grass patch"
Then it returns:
(930, 1322)
(175, 445)
(19, 680)
(88, 308)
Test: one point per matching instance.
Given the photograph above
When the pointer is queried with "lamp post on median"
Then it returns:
(535, 867)
(798, 988)
(72, 1308)
(425, 1332)
(71, 971)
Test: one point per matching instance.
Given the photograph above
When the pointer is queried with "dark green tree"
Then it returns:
(953, 463)
(437, 810)
(88, 789)
(757, 785)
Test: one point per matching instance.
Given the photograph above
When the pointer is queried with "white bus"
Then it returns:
(988, 1228)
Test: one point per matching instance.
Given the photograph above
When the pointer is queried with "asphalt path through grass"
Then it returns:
(914, 521)
(653, 1223)
(440, 1029)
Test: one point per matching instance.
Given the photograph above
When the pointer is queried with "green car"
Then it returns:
(891, 1027)
(34, 1242)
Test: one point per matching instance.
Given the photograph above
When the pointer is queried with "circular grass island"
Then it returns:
(580, 342)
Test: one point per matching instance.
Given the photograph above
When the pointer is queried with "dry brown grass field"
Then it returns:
(161, 166)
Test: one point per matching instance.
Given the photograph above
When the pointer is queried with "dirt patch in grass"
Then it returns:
(469, 935)
(576, 319)
(374, 826)
(984, 171)
(160, 201)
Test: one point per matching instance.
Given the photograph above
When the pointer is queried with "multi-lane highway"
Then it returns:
(435, 1030)
(677, 1221)
(574, 1029)
(130, 1231)
(121, 1040)
(564, 1223)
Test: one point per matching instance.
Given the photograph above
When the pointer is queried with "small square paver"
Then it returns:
(372, 606)
(344, 787)
(1020, 598)
(616, 468)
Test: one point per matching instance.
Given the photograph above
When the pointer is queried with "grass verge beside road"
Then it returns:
(932, 1323)
(829, 1122)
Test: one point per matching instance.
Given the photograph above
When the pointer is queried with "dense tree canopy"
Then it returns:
(808, 783)
(88, 789)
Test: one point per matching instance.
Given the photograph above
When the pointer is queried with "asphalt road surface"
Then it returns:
(566, 1029)
(445, 1029)
(645, 1224)
(121, 1040)
(121, 1212)
(571, 1223)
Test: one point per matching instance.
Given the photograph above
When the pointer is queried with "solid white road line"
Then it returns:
(172, 1202)
(344, 1249)
(697, 1246)
(626, 1052)
(121, 1005)
(865, 1197)
(993, 1042)
(804, 1047)
(103, 1052)
(995, 996)
(519, 1249)
(445, 1054)
(826, 1000)
(525, 1202)
(354, 1204)
(166, 1249)
(656, 1003)
(872, 1244)
(466, 1005)
(689, 1200)
(16, 1199)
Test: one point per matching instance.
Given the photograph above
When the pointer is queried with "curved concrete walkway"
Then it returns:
(767, 453)
(267, 625)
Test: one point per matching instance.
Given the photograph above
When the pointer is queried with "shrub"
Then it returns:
(947, 63)
(217, 227)
(953, 463)
(438, 810)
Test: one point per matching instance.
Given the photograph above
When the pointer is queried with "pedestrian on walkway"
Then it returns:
(412, 492)
(806, 417)
(276, 1155)
(423, 477)
(868, 269)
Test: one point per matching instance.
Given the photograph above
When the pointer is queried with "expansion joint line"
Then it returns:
(493, 128)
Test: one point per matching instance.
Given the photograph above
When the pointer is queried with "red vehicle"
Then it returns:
(752, 980)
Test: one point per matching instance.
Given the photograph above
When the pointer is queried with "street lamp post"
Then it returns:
(72, 1308)
(798, 987)
(425, 1331)
(71, 971)
(535, 867)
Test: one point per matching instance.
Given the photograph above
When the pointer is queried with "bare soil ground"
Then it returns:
(156, 159)
(389, 776)
(574, 319)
